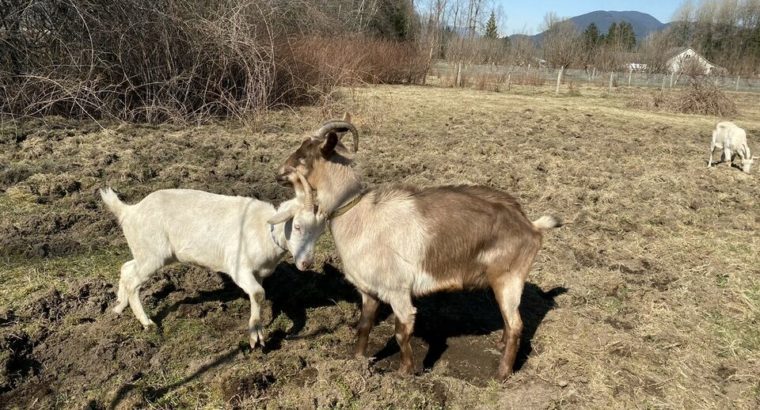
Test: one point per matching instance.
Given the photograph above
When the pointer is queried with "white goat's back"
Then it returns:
(192, 226)
(729, 135)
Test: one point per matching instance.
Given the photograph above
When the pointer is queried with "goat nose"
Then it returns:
(304, 265)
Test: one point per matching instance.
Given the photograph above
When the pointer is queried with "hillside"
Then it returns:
(643, 23)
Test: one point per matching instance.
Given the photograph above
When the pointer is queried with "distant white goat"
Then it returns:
(242, 237)
(728, 137)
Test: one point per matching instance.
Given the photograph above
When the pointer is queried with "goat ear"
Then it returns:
(282, 216)
(328, 147)
(347, 117)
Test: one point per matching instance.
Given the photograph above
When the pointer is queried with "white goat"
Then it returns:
(243, 237)
(728, 137)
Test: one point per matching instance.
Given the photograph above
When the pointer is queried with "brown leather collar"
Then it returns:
(348, 205)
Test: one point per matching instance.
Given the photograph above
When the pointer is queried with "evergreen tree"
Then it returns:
(612, 34)
(626, 36)
(491, 31)
(591, 36)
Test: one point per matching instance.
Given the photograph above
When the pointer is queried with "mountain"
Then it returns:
(643, 23)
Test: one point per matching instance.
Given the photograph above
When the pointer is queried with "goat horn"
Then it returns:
(309, 200)
(340, 126)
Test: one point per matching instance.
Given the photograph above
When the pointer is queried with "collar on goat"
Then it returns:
(348, 205)
(274, 239)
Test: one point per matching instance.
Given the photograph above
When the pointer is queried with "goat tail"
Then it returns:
(547, 222)
(113, 203)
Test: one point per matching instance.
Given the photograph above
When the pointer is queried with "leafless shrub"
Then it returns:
(701, 97)
(573, 90)
(451, 80)
(653, 102)
(179, 60)
(489, 81)
(528, 78)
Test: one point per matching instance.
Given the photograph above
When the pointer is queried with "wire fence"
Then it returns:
(593, 77)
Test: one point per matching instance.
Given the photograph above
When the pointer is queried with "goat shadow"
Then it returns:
(447, 320)
(288, 291)
(444, 320)
(293, 292)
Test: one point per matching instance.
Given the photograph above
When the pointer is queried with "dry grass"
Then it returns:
(648, 297)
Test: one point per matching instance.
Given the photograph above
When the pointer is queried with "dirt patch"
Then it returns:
(56, 343)
(237, 390)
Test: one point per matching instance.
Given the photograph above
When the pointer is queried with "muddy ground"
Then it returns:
(648, 297)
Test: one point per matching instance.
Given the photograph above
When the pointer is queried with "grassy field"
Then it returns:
(648, 297)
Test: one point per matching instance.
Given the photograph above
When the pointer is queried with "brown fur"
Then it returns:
(322, 163)
(467, 236)
(366, 321)
(465, 222)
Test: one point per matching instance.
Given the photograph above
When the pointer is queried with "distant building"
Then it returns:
(636, 67)
(632, 62)
(682, 57)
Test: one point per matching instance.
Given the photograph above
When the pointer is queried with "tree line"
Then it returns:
(727, 33)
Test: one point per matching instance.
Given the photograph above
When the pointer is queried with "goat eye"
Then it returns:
(297, 228)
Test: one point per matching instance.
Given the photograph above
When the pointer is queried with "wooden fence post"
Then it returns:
(612, 73)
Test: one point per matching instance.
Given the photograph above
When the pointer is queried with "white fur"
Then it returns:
(728, 137)
(386, 260)
(223, 233)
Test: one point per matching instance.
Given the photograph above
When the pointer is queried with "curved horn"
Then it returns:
(340, 126)
(309, 200)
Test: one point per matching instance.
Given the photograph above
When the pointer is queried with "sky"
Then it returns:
(526, 17)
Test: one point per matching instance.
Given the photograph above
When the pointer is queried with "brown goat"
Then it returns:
(397, 242)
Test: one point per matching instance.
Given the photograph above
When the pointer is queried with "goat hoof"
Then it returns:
(405, 371)
(118, 309)
(149, 325)
(257, 337)
(504, 374)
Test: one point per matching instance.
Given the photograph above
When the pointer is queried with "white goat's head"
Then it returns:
(303, 224)
(747, 164)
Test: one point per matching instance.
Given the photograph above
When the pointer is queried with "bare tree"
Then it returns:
(431, 37)
(522, 50)
(727, 33)
(562, 44)
(654, 51)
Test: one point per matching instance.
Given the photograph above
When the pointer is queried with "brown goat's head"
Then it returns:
(325, 144)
